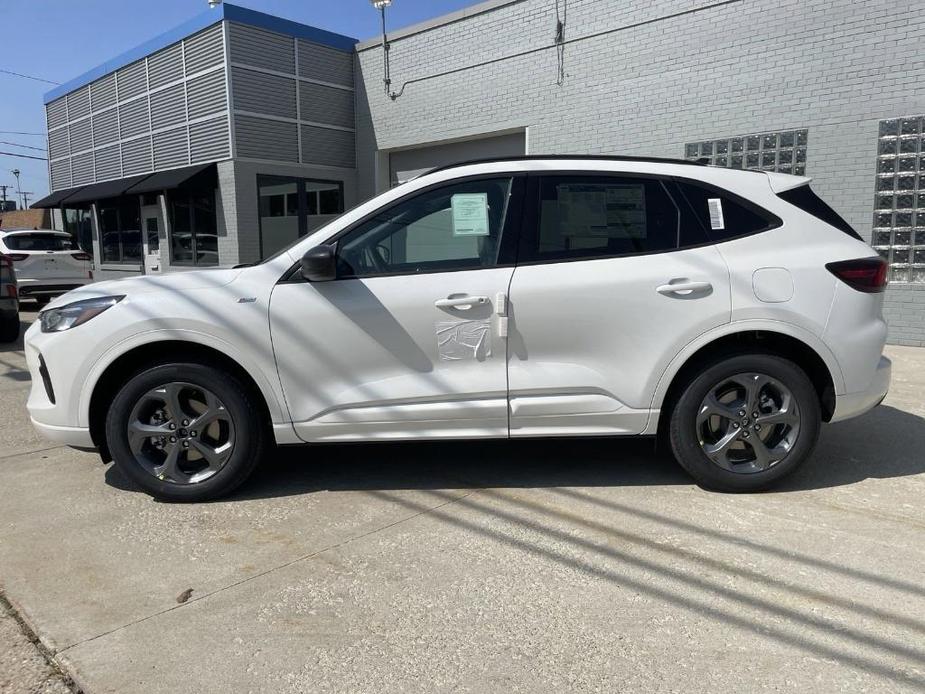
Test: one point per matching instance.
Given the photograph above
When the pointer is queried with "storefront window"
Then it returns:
(291, 207)
(120, 231)
(193, 231)
(77, 224)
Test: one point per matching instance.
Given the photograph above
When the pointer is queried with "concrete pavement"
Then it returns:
(482, 566)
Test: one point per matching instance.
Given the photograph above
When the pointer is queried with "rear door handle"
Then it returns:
(463, 303)
(683, 288)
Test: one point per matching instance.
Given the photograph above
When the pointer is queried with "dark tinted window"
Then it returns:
(193, 234)
(120, 230)
(456, 227)
(722, 215)
(807, 200)
(40, 242)
(601, 216)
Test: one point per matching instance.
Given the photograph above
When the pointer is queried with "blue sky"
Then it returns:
(60, 39)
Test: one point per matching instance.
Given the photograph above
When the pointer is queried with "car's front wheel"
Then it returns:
(185, 432)
(745, 422)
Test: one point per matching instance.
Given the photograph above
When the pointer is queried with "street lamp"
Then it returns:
(381, 5)
(15, 172)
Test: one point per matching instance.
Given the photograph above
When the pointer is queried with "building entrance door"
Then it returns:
(151, 243)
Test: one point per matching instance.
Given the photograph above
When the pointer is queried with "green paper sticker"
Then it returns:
(470, 214)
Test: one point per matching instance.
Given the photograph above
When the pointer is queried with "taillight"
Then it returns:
(865, 274)
(17, 256)
(80, 256)
(11, 291)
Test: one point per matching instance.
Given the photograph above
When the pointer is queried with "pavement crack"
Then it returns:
(304, 557)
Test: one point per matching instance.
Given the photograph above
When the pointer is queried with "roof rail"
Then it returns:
(587, 157)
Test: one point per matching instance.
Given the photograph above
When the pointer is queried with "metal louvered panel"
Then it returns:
(78, 103)
(81, 135)
(60, 174)
(170, 149)
(326, 104)
(136, 156)
(260, 138)
(133, 118)
(260, 48)
(165, 66)
(204, 49)
(132, 80)
(57, 143)
(259, 92)
(105, 127)
(325, 64)
(328, 147)
(56, 113)
(168, 107)
(103, 92)
(82, 168)
(209, 140)
(206, 94)
(107, 163)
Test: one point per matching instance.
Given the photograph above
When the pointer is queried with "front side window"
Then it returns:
(455, 227)
(120, 231)
(193, 230)
(584, 217)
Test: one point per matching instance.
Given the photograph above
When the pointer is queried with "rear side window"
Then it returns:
(807, 200)
(601, 216)
(724, 216)
(40, 242)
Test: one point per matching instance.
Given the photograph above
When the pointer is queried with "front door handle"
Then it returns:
(463, 303)
(683, 288)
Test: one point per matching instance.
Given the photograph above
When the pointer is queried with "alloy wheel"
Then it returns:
(748, 423)
(181, 433)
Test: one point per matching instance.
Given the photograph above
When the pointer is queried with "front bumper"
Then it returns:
(78, 437)
(854, 404)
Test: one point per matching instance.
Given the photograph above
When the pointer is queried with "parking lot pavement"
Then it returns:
(481, 566)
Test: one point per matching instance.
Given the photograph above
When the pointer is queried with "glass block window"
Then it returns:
(899, 201)
(781, 151)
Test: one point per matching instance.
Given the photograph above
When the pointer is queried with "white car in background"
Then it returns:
(48, 263)
(731, 311)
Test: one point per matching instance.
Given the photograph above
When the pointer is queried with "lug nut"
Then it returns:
(735, 425)
(185, 422)
(192, 433)
(186, 444)
(754, 415)
(745, 434)
(173, 439)
(171, 426)
(757, 427)
(741, 413)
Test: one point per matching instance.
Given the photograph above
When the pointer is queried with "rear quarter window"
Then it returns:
(725, 216)
(807, 200)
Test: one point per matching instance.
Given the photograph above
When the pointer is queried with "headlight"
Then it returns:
(55, 320)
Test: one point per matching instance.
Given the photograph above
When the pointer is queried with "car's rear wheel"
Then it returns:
(745, 422)
(185, 432)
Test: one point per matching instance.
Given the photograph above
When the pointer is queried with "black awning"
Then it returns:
(166, 180)
(54, 199)
(106, 189)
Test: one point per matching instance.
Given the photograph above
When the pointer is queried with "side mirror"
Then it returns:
(319, 264)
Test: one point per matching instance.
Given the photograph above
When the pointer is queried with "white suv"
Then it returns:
(731, 311)
(48, 263)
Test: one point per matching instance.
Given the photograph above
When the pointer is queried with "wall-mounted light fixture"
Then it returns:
(381, 5)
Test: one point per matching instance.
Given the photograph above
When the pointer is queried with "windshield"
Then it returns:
(40, 242)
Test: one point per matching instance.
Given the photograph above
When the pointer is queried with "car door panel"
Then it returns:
(590, 337)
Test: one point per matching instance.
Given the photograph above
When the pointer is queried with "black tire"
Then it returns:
(685, 436)
(241, 406)
(9, 326)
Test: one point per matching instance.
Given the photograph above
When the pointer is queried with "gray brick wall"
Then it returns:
(835, 67)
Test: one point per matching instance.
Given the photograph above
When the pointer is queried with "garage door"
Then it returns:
(408, 163)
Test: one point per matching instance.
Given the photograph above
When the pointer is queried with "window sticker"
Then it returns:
(463, 340)
(716, 213)
(616, 211)
(470, 214)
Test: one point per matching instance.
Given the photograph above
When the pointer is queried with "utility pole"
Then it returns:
(25, 199)
(3, 192)
(15, 172)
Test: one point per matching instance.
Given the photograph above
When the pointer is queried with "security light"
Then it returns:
(381, 4)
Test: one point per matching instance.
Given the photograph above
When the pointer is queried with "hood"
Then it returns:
(179, 281)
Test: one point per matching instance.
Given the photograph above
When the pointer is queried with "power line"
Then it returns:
(28, 77)
(20, 132)
(16, 144)
(24, 156)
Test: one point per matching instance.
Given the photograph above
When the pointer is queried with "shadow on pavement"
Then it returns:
(884, 443)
